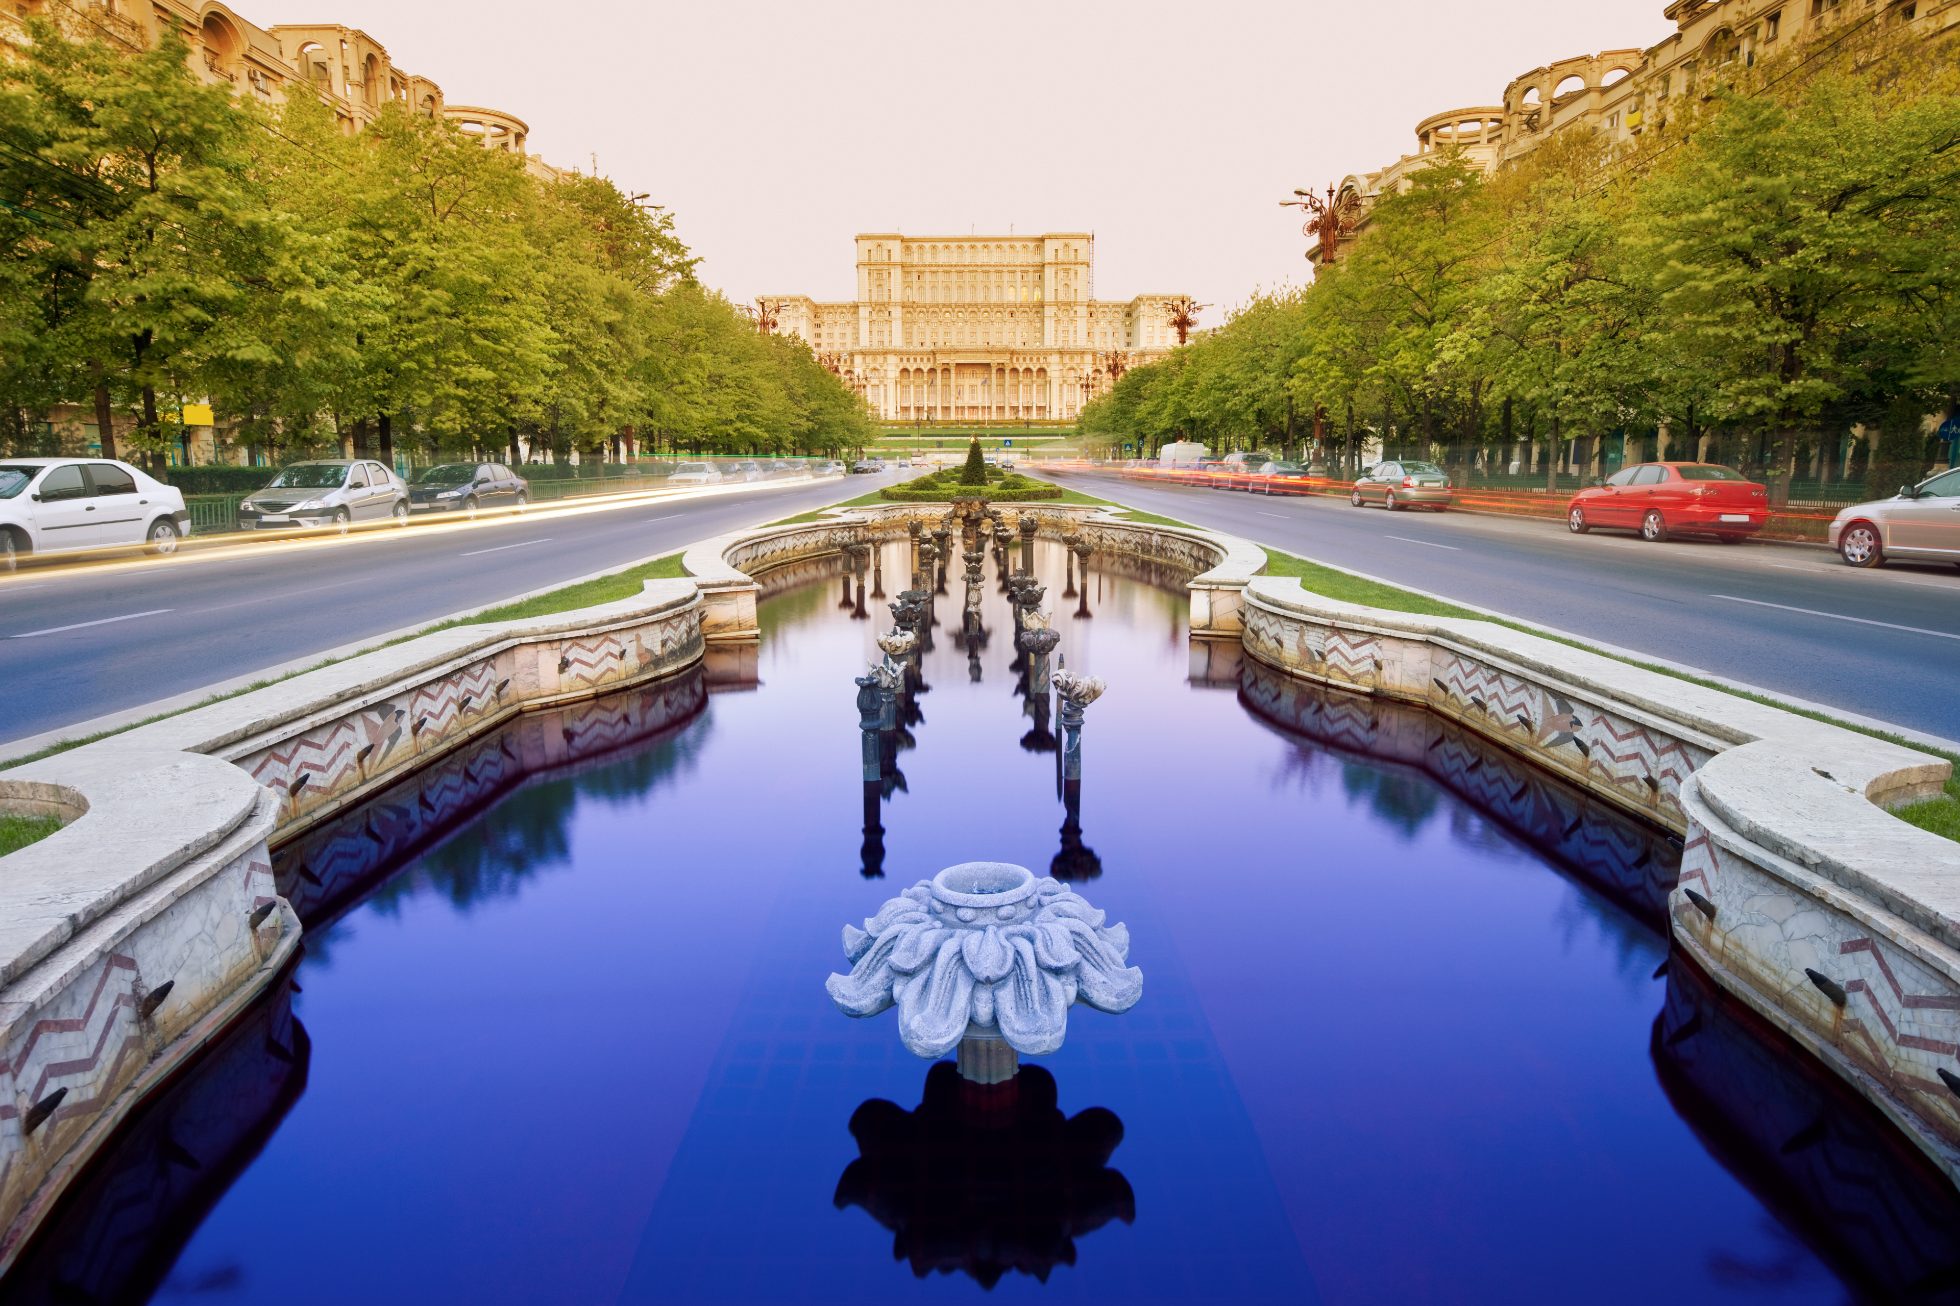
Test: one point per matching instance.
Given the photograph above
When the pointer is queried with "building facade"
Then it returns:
(1620, 94)
(979, 329)
(348, 69)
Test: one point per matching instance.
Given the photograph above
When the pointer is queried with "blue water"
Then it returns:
(569, 1040)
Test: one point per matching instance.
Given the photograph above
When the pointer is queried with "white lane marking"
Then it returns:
(1425, 543)
(1853, 573)
(521, 544)
(669, 517)
(1838, 616)
(84, 625)
(1283, 516)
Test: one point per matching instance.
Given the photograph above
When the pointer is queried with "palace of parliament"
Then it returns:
(962, 329)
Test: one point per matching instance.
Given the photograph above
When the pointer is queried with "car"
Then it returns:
(746, 470)
(865, 466)
(1663, 499)
(58, 505)
(331, 492)
(1280, 477)
(1921, 522)
(829, 468)
(695, 474)
(1235, 470)
(1007, 463)
(782, 468)
(1403, 483)
(466, 487)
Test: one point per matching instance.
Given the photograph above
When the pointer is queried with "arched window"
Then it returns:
(1571, 85)
(1723, 48)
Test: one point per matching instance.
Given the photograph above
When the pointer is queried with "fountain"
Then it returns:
(987, 959)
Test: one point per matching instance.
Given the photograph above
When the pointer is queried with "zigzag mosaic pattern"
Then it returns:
(1900, 1020)
(64, 1062)
(1647, 767)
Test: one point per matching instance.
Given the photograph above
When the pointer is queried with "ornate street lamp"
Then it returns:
(1329, 221)
(1184, 312)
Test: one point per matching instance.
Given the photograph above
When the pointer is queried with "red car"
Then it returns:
(1663, 499)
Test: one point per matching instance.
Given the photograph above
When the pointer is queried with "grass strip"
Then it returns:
(16, 832)
(601, 589)
(1939, 816)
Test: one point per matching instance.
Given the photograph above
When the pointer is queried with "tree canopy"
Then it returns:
(1768, 265)
(170, 243)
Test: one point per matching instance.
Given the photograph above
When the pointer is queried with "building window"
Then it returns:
(1772, 26)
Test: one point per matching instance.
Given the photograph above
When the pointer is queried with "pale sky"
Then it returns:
(778, 129)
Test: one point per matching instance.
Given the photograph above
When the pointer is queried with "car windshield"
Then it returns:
(1421, 469)
(309, 476)
(447, 474)
(14, 479)
(1708, 472)
(690, 467)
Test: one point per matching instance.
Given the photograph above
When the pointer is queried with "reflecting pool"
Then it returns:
(1409, 1029)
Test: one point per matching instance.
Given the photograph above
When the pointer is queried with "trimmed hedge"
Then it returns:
(945, 486)
(221, 480)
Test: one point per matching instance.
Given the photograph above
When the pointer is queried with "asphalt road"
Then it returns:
(79, 642)
(1883, 643)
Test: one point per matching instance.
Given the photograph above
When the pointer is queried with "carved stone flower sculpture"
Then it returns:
(986, 948)
(1082, 690)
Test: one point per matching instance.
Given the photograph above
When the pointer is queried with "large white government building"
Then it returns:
(979, 329)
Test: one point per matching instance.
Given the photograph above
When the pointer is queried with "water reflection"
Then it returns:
(116, 1234)
(1823, 1159)
(1630, 862)
(616, 747)
(986, 1180)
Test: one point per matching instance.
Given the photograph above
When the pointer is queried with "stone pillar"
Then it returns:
(870, 703)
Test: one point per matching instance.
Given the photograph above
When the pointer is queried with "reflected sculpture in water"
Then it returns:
(986, 1179)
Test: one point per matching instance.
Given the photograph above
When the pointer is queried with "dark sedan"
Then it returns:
(1280, 477)
(468, 488)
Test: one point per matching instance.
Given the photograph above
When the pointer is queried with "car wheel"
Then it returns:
(1575, 521)
(1390, 502)
(1653, 527)
(1860, 545)
(523, 501)
(470, 506)
(163, 537)
(401, 514)
(9, 551)
(341, 521)
(1355, 499)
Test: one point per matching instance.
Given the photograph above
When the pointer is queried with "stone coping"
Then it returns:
(157, 795)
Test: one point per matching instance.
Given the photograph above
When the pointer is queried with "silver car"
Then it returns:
(1921, 523)
(1403, 483)
(335, 492)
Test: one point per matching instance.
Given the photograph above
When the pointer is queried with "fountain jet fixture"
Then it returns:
(984, 954)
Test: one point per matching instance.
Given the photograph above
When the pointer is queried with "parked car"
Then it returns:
(867, 465)
(466, 487)
(783, 468)
(746, 470)
(695, 474)
(335, 492)
(1920, 522)
(1007, 462)
(1281, 477)
(57, 505)
(830, 468)
(1403, 483)
(1662, 499)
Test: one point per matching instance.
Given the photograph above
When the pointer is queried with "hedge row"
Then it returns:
(944, 487)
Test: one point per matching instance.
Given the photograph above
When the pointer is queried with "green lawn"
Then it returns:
(590, 593)
(16, 832)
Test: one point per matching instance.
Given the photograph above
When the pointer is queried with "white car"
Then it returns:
(58, 505)
(695, 474)
(1922, 523)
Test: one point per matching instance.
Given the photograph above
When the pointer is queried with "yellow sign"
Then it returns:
(198, 415)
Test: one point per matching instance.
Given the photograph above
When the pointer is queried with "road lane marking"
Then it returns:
(1283, 516)
(521, 544)
(1838, 616)
(1851, 573)
(84, 625)
(1425, 543)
